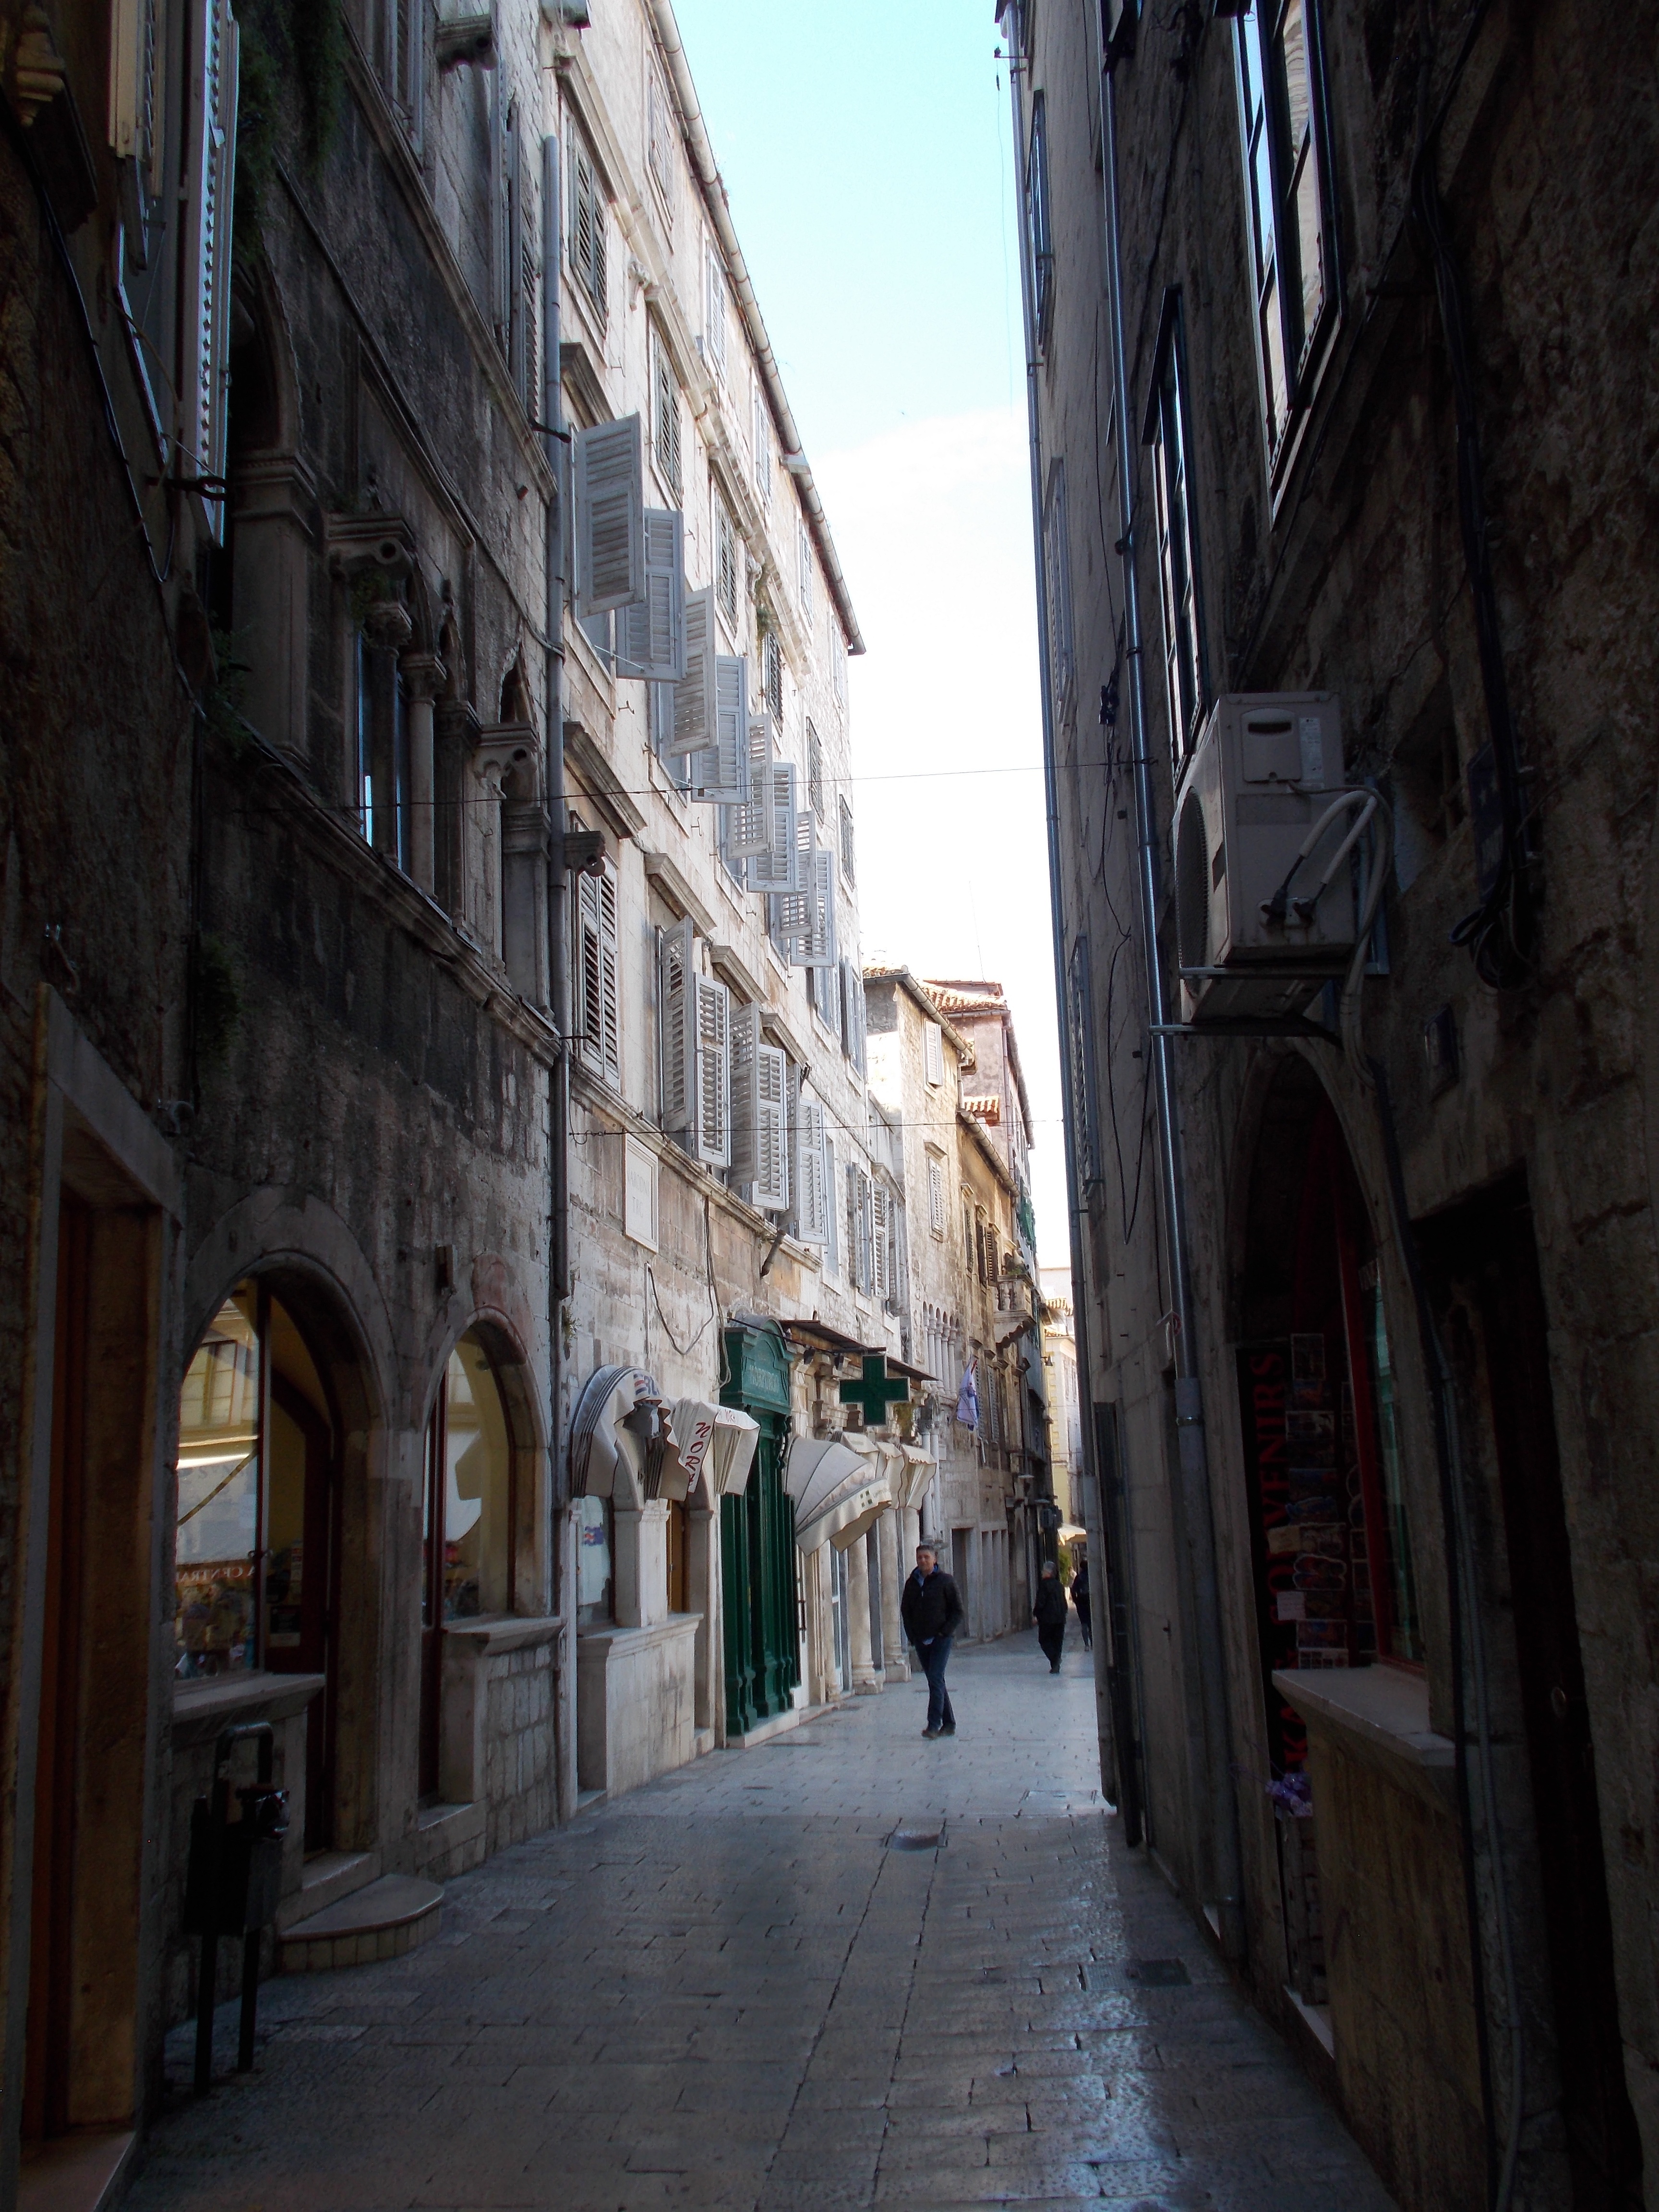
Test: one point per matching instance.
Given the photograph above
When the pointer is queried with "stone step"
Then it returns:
(387, 1918)
(326, 1878)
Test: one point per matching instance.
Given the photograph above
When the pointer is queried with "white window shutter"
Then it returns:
(745, 1045)
(771, 1176)
(600, 1023)
(720, 772)
(748, 827)
(814, 945)
(694, 695)
(879, 1207)
(651, 634)
(811, 1199)
(711, 1101)
(204, 383)
(610, 516)
(932, 1052)
(716, 312)
(678, 1045)
(774, 868)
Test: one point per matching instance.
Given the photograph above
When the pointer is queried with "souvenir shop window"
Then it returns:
(254, 1531)
(468, 1523)
(593, 1558)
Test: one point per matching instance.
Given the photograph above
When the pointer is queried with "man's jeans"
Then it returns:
(935, 1657)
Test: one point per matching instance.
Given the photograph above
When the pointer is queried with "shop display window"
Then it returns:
(594, 1561)
(470, 1495)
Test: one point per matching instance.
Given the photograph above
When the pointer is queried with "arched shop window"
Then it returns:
(254, 1538)
(471, 1504)
(595, 1582)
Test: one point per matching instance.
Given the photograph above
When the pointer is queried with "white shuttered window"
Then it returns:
(600, 1020)
(651, 634)
(610, 516)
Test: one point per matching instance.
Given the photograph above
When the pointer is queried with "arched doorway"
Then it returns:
(476, 1537)
(256, 1552)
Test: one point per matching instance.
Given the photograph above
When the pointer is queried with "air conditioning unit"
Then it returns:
(1263, 823)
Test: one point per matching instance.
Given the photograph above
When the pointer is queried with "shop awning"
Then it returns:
(613, 1428)
(714, 1443)
(838, 1492)
(819, 1336)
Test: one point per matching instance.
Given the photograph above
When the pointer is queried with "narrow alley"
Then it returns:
(760, 1982)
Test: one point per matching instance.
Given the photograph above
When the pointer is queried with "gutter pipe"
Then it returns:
(720, 215)
(554, 447)
(1226, 1908)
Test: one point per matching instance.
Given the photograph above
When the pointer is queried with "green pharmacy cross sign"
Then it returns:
(876, 1390)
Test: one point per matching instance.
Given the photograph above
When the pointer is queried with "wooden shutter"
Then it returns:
(815, 770)
(791, 910)
(711, 1101)
(936, 1197)
(811, 1203)
(880, 1205)
(761, 443)
(600, 1031)
(587, 240)
(771, 1131)
(525, 348)
(209, 186)
(774, 868)
(678, 966)
(932, 1052)
(651, 634)
(716, 318)
(816, 947)
(719, 771)
(748, 828)
(694, 695)
(665, 410)
(610, 516)
(745, 1044)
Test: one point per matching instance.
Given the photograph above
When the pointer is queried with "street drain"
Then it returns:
(916, 1839)
(1159, 1973)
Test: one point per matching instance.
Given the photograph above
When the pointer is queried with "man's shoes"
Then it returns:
(1054, 1670)
(931, 1732)
(950, 1728)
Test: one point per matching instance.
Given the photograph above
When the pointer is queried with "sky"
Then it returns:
(865, 150)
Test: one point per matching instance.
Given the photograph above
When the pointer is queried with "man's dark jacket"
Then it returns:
(1050, 1607)
(930, 1608)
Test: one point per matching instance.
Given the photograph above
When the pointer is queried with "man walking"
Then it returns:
(1080, 1600)
(931, 1613)
(1050, 1614)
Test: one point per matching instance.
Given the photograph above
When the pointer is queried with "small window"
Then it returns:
(726, 562)
(1039, 242)
(772, 675)
(1080, 1041)
(804, 556)
(640, 1193)
(1057, 586)
(815, 770)
(665, 414)
(471, 1515)
(599, 1036)
(932, 1052)
(403, 61)
(837, 663)
(1177, 559)
(936, 1195)
(1288, 187)
(714, 314)
(587, 246)
(660, 141)
(846, 824)
(384, 806)
(761, 442)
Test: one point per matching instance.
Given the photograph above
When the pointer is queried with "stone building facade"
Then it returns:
(1363, 1247)
(971, 1304)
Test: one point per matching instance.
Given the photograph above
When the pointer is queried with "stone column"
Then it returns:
(275, 494)
(896, 1563)
(640, 1566)
(423, 673)
(867, 1676)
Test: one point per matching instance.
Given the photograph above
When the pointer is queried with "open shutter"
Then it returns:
(610, 516)
(771, 1134)
(811, 1199)
(694, 694)
(745, 1044)
(651, 634)
(814, 945)
(526, 322)
(720, 772)
(205, 386)
(773, 867)
(880, 1205)
(748, 829)
(600, 1013)
(674, 1003)
(792, 910)
(712, 1132)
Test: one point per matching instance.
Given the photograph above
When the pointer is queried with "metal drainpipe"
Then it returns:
(1196, 1497)
(562, 1537)
(1114, 1735)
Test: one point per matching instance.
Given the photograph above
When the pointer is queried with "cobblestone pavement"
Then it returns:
(737, 1988)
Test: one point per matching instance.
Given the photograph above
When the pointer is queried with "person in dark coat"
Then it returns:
(1050, 1614)
(1080, 1600)
(931, 1610)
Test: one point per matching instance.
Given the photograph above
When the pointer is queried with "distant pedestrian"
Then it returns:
(1050, 1614)
(931, 1613)
(1080, 1600)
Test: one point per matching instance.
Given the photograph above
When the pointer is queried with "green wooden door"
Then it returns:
(760, 1607)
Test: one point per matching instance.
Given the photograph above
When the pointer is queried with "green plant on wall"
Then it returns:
(283, 42)
(218, 999)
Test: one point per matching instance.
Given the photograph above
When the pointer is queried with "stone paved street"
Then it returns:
(734, 1989)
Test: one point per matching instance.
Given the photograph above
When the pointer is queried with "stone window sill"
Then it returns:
(506, 1632)
(1379, 1715)
(200, 1709)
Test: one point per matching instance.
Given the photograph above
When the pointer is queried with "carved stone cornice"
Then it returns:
(509, 752)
